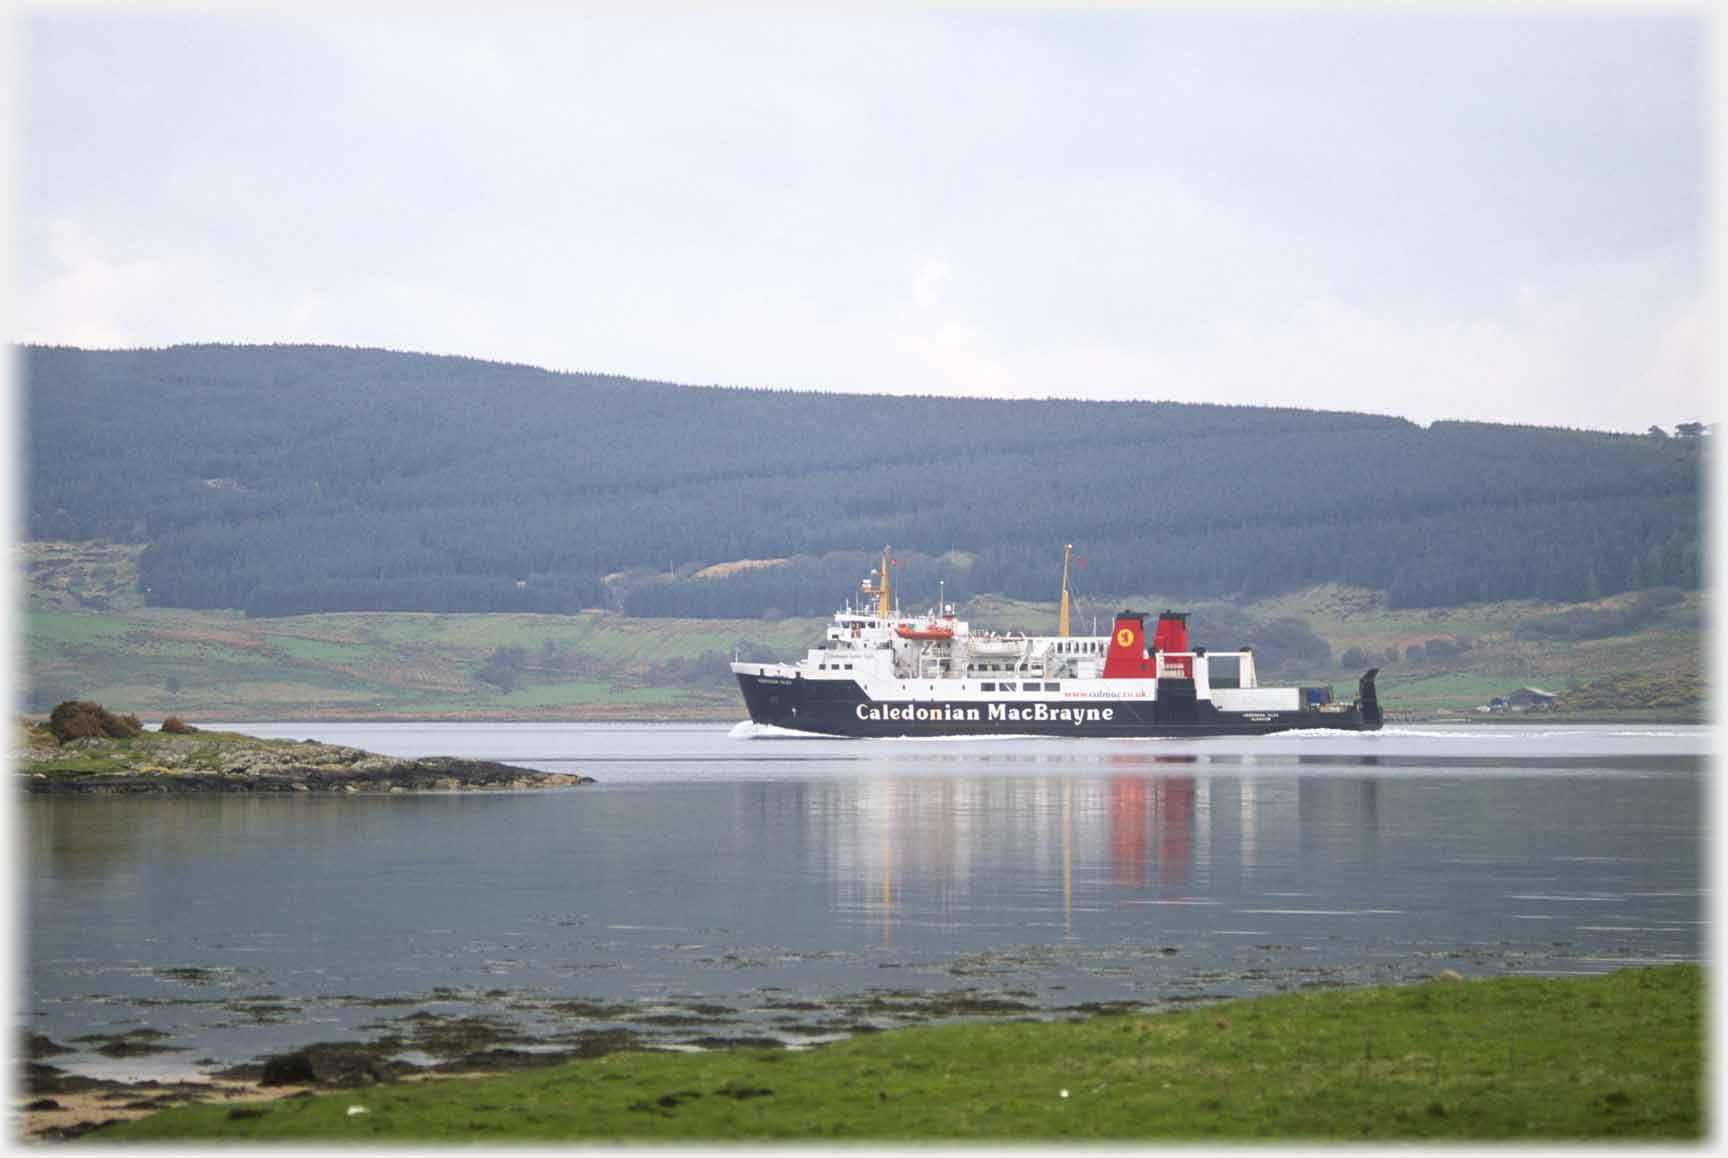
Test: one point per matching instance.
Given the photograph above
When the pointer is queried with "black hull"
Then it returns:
(839, 708)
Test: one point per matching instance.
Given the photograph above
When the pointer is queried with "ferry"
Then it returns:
(880, 673)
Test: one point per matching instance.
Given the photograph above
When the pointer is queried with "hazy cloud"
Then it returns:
(1473, 216)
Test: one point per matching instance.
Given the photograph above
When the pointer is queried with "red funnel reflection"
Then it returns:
(1170, 800)
(1128, 832)
(1174, 800)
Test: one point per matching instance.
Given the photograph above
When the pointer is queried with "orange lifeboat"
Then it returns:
(929, 631)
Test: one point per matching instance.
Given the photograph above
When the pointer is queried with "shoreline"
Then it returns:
(56, 1102)
(69, 1114)
(129, 761)
(1502, 1036)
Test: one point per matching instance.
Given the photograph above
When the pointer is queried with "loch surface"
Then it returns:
(715, 884)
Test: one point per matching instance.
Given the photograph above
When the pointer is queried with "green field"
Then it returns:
(84, 639)
(1441, 691)
(1612, 1058)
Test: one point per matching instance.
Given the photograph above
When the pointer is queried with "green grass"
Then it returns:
(1618, 1057)
(55, 628)
(587, 692)
(1442, 690)
(319, 650)
(588, 696)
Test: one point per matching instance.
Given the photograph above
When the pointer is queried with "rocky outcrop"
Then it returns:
(205, 762)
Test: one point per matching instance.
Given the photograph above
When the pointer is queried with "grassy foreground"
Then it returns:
(1612, 1057)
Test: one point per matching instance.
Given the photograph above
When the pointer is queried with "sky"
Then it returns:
(1491, 214)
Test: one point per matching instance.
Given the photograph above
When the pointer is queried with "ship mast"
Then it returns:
(882, 588)
(1062, 616)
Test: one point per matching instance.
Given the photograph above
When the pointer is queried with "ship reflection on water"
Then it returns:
(942, 851)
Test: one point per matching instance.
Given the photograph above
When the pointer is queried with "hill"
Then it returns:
(286, 480)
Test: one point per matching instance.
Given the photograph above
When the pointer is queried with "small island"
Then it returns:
(84, 749)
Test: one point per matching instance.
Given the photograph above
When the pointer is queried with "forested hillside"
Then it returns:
(292, 479)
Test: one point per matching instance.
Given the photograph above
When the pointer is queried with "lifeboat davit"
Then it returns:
(929, 631)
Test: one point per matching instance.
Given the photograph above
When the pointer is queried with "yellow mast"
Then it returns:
(882, 588)
(1062, 616)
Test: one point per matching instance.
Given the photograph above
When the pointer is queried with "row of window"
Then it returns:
(999, 686)
(1029, 686)
(1078, 647)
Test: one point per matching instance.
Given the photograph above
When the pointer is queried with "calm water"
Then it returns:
(712, 879)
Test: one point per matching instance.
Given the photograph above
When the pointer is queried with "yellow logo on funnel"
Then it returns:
(1125, 637)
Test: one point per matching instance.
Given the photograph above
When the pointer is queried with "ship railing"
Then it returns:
(1197, 665)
